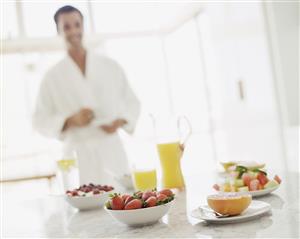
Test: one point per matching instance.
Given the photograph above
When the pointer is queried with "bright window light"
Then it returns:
(39, 20)
(126, 17)
(10, 28)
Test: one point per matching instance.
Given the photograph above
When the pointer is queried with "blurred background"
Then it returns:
(231, 68)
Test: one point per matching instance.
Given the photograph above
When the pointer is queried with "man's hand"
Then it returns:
(80, 119)
(112, 128)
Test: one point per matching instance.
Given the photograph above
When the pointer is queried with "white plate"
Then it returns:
(263, 192)
(256, 209)
(259, 193)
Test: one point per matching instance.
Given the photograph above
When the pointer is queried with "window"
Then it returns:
(186, 76)
(23, 74)
(127, 17)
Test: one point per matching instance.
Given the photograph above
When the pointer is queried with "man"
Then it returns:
(83, 100)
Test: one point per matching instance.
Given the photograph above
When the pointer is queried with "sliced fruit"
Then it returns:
(226, 187)
(231, 204)
(233, 188)
(216, 187)
(252, 174)
(262, 178)
(227, 165)
(243, 189)
(271, 184)
(238, 183)
(241, 170)
(254, 185)
(246, 177)
(277, 179)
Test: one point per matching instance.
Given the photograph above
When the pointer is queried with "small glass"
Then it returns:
(67, 171)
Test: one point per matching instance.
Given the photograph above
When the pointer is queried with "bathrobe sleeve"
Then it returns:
(130, 105)
(46, 120)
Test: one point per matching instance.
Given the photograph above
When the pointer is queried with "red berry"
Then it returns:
(151, 201)
(147, 194)
(117, 203)
(161, 197)
(125, 196)
(130, 198)
(166, 192)
(74, 193)
(134, 204)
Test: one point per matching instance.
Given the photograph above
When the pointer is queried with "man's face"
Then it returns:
(70, 27)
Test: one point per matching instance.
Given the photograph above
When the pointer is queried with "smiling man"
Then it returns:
(83, 101)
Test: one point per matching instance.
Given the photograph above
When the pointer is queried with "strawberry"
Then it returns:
(277, 179)
(130, 198)
(134, 204)
(161, 197)
(138, 194)
(117, 202)
(166, 192)
(147, 194)
(151, 201)
(125, 196)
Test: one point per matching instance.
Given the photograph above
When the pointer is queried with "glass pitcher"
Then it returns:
(172, 134)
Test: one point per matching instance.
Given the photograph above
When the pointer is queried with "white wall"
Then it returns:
(283, 25)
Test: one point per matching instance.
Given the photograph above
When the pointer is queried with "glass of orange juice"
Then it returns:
(145, 179)
(143, 159)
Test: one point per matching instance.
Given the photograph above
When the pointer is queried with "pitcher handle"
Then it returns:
(181, 134)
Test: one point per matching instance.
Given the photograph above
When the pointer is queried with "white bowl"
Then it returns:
(89, 202)
(142, 216)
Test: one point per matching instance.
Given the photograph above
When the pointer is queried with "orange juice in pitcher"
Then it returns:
(170, 147)
(170, 157)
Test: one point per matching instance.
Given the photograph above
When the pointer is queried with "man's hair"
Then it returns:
(65, 9)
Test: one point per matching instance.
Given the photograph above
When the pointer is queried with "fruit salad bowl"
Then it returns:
(88, 197)
(141, 208)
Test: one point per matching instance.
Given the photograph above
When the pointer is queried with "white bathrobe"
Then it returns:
(105, 90)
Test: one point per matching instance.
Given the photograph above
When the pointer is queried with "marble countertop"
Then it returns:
(51, 216)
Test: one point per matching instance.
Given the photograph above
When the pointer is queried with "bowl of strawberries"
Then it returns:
(140, 208)
(88, 196)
